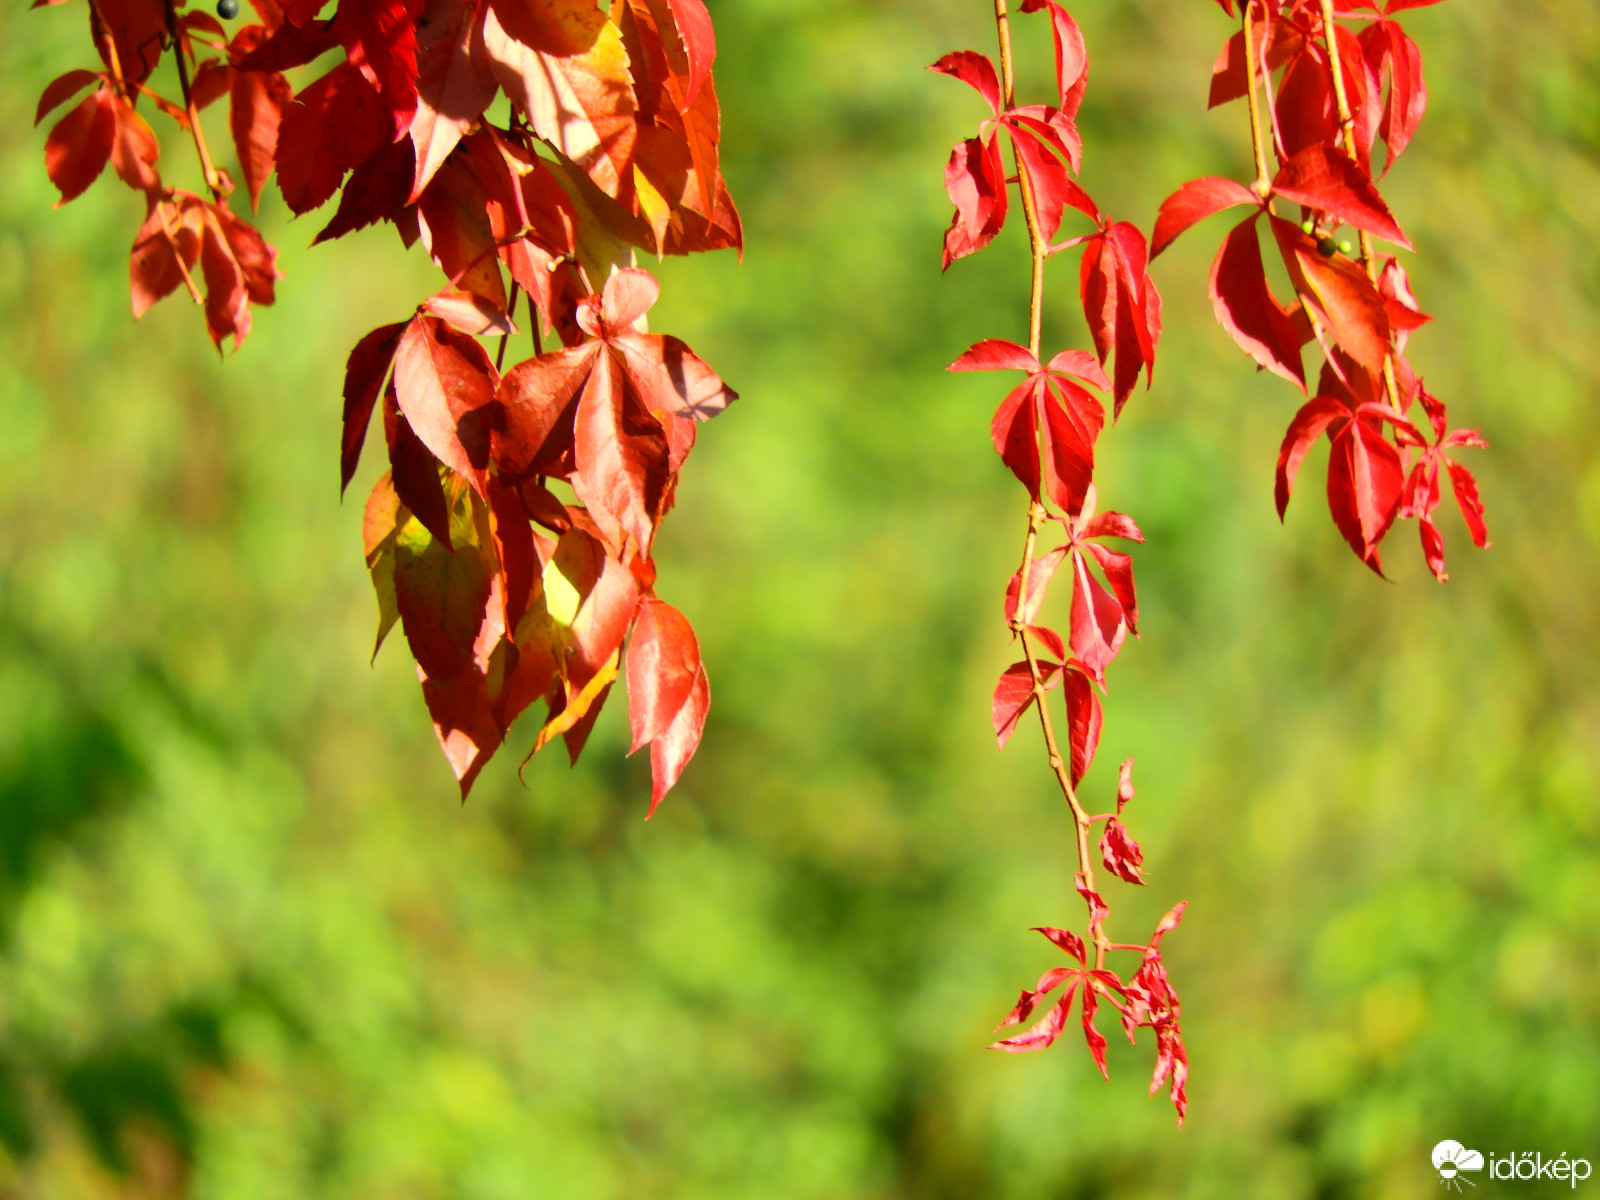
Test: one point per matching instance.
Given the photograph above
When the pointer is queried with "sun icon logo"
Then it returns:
(1452, 1158)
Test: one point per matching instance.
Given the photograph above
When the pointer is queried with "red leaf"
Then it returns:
(996, 354)
(1343, 296)
(671, 752)
(415, 471)
(80, 144)
(663, 663)
(445, 381)
(1066, 940)
(1246, 308)
(976, 71)
(469, 313)
(622, 458)
(365, 373)
(1048, 1028)
(256, 104)
(1365, 477)
(1083, 721)
(1194, 202)
(333, 125)
(1324, 178)
(1096, 1041)
(1465, 488)
(1308, 425)
(975, 179)
(454, 82)
(61, 89)
(1120, 853)
(1072, 56)
(443, 597)
(1013, 696)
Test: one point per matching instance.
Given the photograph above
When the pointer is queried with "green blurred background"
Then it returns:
(251, 945)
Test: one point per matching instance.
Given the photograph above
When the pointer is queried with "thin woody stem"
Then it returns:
(212, 177)
(1263, 176)
(1347, 122)
(1037, 513)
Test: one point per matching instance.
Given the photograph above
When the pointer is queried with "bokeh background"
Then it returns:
(252, 946)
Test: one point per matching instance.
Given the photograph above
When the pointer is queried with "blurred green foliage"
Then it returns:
(250, 945)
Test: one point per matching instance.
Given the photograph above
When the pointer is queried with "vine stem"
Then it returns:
(1347, 123)
(212, 176)
(1037, 513)
(1263, 178)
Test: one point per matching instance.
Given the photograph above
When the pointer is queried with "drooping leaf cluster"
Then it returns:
(511, 537)
(1330, 95)
(1045, 431)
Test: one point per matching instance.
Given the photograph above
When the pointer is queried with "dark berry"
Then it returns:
(227, 9)
(1327, 247)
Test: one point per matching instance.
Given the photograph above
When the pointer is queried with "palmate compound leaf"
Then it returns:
(616, 407)
(1422, 493)
(185, 241)
(1046, 427)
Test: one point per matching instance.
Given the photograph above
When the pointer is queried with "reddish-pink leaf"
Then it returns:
(60, 90)
(1083, 721)
(1013, 696)
(1120, 853)
(1246, 308)
(996, 354)
(365, 373)
(454, 83)
(1066, 940)
(256, 104)
(1072, 56)
(333, 125)
(1343, 296)
(1308, 425)
(1096, 1041)
(1194, 202)
(1048, 1028)
(445, 381)
(671, 752)
(470, 313)
(975, 179)
(663, 663)
(975, 70)
(622, 458)
(1465, 488)
(80, 144)
(1328, 180)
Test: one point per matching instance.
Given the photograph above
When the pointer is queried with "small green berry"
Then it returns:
(1308, 226)
(1347, 249)
(1327, 247)
(227, 9)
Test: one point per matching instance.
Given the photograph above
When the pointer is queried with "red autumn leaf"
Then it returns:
(79, 146)
(1121, 305)
(135, 150)
(443, 594)
(256, 104)
(565, 67)
(454, 82)
(62, 89)
(1246, 308)
(1121, 853)
(454, 222)
(1228, 78)
(1013, 696)
(975, 179)
(1328, 180)
(663, 663)
(1048, 403)
(365, 373)
(1049, 1027)
(470, 313)
(1193, 203)
(671, 752)
(1125, 790)
(333, 125)
(1072, 57)
(1386, 44)
(1341, 295)
(1084, 719)
(1422, 493)
(444, 383)
(414, 470)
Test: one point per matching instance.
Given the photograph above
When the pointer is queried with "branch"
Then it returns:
(1037, 513)
(215, 180)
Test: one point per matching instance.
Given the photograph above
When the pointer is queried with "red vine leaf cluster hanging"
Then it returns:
(1045, 431)
(511, 537)
(1322, 97)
